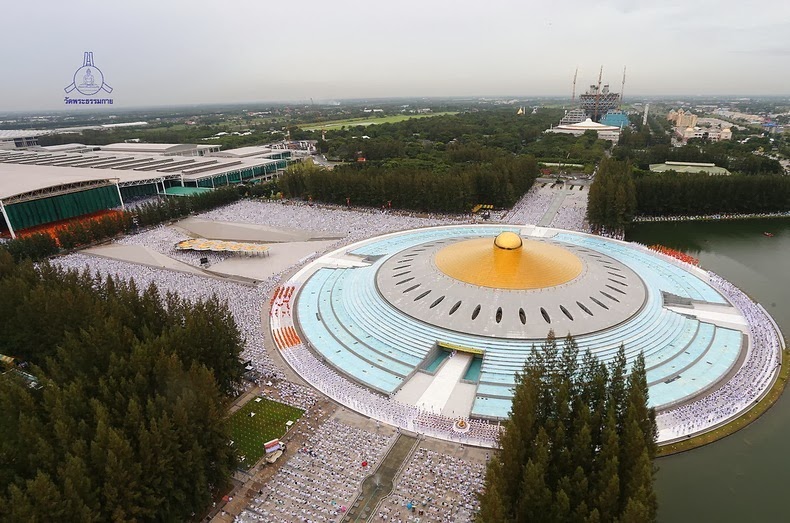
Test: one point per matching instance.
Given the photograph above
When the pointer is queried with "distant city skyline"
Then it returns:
(243, 51)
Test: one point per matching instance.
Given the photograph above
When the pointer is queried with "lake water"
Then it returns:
(744, 477)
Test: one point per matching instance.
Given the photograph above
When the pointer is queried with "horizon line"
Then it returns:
(333, 101)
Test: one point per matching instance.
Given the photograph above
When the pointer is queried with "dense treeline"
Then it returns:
(587, 149)
(497, 128)
(639, 135)
(754, 188)
(437, 141)
(612, 201)
(162, 210)
(33, 247)
(499, 182)
(578, 446)
(444, 163)
(84, 232)
(692, 194)
(129, 422)
(732, 155)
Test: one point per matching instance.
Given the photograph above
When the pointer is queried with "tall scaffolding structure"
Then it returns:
(598, 100)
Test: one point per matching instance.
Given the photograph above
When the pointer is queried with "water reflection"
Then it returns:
(745, 476)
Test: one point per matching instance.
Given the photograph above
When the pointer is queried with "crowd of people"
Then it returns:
(321, 479)
(752, 380)
(531, 207)
(295, 394)
(703, 217)
(163, 239)
(351, 225)
(384, 409)
(434, 487)
(317, 480)
(571, 217)
(682, 256)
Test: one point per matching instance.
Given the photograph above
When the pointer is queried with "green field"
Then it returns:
(251, 432)
(337, 124)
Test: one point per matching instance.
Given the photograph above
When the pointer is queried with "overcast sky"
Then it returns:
(175, 52)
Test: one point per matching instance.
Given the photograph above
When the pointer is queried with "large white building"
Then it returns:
(18, 139)
(44, 185)
(682, 119)
(605, 132)
(165, 149)
(714, 134)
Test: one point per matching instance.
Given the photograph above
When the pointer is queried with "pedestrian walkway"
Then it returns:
(555, 205)
(438, 392)
(379, 485)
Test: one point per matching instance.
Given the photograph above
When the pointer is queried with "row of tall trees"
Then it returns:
(579, 444)
(691, 194)
(499, 182)
(612, 201)
(129, 424)
(165, 209)
(85, 232)
(34, 247)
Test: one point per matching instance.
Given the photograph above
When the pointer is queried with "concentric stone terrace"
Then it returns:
(443, 318)
(470, 285)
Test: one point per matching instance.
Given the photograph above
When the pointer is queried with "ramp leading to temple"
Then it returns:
(444, 382)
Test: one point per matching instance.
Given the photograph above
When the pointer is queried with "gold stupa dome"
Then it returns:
(510, 263)
(508, 240)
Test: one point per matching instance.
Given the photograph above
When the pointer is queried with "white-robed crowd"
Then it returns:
(321, 479)
(384, 409)
(706, 217)
(739, 393)
(531, 207)
(307, 503)
(434, 487)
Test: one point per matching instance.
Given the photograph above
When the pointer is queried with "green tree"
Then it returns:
(129, 424)
(578, 445)
(612, 200)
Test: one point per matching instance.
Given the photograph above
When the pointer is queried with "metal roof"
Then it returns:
(25, 171)
(143, 148)
(25, 133)
(18, 180)
(243, 152)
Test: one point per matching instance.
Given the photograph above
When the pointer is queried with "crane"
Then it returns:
(573, 93)
(622, 87)
(598, 94)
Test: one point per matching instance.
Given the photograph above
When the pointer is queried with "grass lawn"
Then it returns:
(251, 432)
(337, 124)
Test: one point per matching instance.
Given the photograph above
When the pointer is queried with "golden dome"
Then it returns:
(510, 263)
(508, 240)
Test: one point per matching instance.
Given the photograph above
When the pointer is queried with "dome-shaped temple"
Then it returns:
(510, 263)
(508, 240)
